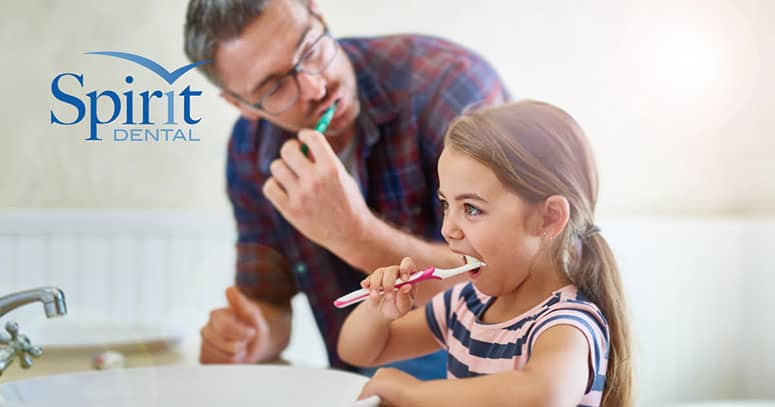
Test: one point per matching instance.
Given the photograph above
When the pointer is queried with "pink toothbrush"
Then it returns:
(431, 273)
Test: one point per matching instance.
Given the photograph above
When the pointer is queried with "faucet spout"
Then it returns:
(53, 300)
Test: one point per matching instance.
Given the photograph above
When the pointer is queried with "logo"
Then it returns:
(135, 110)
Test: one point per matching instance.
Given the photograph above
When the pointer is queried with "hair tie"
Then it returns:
(591, 231)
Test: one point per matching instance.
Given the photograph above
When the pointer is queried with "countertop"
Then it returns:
(80, 359)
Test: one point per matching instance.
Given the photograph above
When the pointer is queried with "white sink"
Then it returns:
(191, 386)
(727, 403)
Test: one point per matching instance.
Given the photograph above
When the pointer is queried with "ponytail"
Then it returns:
(597, 276)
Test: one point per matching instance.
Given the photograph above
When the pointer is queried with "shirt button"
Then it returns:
(300, 268)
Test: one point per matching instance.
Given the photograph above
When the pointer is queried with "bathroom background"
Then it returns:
(676, 97)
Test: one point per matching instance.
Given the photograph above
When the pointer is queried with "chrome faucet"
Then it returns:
(17, 344)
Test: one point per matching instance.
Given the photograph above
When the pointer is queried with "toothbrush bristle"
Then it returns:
(471, 260)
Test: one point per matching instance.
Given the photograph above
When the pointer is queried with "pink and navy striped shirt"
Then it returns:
(477, 348)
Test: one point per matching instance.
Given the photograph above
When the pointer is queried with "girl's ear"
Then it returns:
(555, 215)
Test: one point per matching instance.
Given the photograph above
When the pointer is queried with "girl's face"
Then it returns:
(485, 220)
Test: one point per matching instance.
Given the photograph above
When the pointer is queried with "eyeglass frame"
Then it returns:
(293, 73)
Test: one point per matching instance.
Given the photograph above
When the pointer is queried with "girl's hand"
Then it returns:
(393, 303)
(391, 385)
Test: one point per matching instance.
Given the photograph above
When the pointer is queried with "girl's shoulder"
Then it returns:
(570, 297)
(570, 306)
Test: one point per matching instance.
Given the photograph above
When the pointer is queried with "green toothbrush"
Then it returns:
(322, 125)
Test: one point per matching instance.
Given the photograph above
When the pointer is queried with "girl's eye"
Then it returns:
(444, 205)
(472, 210)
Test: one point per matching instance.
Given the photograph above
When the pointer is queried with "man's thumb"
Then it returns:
(245, 309)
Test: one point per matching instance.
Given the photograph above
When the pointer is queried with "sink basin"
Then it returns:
(727, 403)
(191, 386)
(58, 333)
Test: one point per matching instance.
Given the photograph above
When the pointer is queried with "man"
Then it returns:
(365, 194)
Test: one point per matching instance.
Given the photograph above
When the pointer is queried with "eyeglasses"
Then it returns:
(278, 95)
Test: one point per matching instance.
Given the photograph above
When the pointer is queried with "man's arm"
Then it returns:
(255, 325)
(380, 244)
(320, 199)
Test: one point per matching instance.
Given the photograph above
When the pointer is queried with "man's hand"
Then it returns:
(317, 195)
(238, 333)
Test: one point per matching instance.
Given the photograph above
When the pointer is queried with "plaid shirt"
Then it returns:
(410, 88)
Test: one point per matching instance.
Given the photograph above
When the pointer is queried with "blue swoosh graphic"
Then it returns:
(168, 76)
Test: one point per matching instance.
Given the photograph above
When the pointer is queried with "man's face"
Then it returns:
(267, 49)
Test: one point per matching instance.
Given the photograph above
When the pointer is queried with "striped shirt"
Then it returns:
(410, 88)
(477, 348)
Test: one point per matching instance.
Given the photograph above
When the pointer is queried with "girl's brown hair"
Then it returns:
(538, 150)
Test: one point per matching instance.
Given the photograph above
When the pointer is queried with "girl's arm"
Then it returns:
(382, 329)
(370, 339)
(556, 375)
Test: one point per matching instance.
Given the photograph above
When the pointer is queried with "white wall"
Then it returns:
(47, 166)
(675, 95)
(702, 313)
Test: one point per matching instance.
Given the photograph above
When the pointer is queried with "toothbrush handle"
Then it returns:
(352, 298)
(360, 295)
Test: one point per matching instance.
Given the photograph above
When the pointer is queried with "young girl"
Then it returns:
(543, 322)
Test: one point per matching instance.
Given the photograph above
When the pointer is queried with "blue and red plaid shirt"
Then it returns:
(410, 88)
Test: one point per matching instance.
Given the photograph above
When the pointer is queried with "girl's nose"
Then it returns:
(450, 230)
(312, 87)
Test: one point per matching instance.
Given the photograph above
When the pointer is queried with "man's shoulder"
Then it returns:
(243, 134)
(407, 47)
(411, 64)
(410, 42)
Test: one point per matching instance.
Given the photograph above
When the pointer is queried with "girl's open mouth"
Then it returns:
(473, 273)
